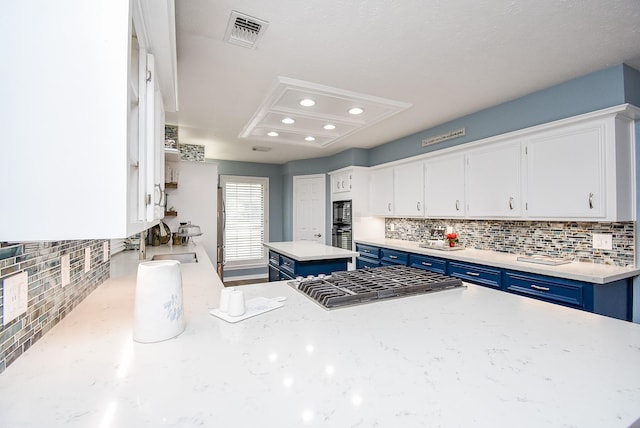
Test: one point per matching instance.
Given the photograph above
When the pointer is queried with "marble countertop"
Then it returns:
(579, 271)
(470, 356)
(308, 250)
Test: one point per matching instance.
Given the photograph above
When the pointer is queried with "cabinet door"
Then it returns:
(382, 192)
(444, 186)
(493, 180)
(408, 189)
(565, 173)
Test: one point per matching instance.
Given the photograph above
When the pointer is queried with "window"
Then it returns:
(245, 229)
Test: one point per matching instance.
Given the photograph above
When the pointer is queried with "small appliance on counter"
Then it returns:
(186, 231)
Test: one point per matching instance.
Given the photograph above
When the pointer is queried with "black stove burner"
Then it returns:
(365, 285)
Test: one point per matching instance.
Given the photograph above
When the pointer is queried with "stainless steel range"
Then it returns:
(366, 285)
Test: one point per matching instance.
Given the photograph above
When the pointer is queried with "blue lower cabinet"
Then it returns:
(431, 264)
(393, 257)
(274, 273)
(612, 299)
(364, 263)
(476, 274)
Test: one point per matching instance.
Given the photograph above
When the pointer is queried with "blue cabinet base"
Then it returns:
(284, 268)
(613, 299)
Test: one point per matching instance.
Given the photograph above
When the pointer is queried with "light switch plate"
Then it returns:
(87, 259)
(14, 296)
(65, 268)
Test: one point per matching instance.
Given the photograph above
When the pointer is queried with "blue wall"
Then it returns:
(605, 88)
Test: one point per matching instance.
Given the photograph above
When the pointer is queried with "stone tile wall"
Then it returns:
(48, 302)
(526, 237)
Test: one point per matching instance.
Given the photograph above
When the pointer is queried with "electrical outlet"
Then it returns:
(602, 241)
(392, 227)
(87, 259)
(105, 251)
(14, 296)
(65, 268)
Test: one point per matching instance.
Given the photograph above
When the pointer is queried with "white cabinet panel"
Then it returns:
(444, 186)
(381, 190)
(408, 189)
(493, 181)
(82, 130)
(566, 173)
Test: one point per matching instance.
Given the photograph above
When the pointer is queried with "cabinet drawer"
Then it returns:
(565, 292)
(368, 251)
(363, 262)
(274, 273)
(393, 257)
(288, 264)
(476, 274)
(274, 258)
(428, 263)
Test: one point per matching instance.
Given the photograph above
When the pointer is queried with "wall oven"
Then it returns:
(341, 233)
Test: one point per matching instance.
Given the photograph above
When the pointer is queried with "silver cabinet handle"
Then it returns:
(318, 235)
(473, 274)
(457, 205)
(393, 257)
(537, 287)
(426, 264)
(591, 200)
(389, 206)
(418, 205)
(511, 203)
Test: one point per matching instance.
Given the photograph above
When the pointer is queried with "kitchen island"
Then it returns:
(291, 259)
(469, 356)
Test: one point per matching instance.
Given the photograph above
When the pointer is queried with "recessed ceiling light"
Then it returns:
(356, 110)
(272, 134)
(307, 102)
(329, 126)
(309, 138)
(288, 121)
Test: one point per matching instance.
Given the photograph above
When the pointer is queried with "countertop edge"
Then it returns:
(337, 253)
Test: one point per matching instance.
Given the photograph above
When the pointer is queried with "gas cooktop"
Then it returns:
(367, 285)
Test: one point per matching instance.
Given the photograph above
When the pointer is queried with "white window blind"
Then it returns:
(245, 200)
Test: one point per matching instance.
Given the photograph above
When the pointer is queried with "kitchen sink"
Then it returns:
(181, 257)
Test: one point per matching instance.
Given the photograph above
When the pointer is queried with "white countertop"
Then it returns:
(579, 271)
(463, 357)
(303, 251)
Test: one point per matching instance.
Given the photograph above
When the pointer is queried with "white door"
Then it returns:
(309, 208)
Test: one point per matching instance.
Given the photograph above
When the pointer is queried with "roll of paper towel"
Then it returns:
(158, 311)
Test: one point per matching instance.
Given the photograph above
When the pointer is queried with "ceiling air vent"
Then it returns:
(244, 30)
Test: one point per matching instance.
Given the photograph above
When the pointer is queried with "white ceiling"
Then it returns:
(447, 58)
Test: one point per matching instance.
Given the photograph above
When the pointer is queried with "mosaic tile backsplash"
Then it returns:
(572, 239)
(48, 302)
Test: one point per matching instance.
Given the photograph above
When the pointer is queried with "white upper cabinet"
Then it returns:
(342, 182)
(381, 191)
(408, 189)
(82, 162)
(582, 171)
(444, 186)
(493, 181)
